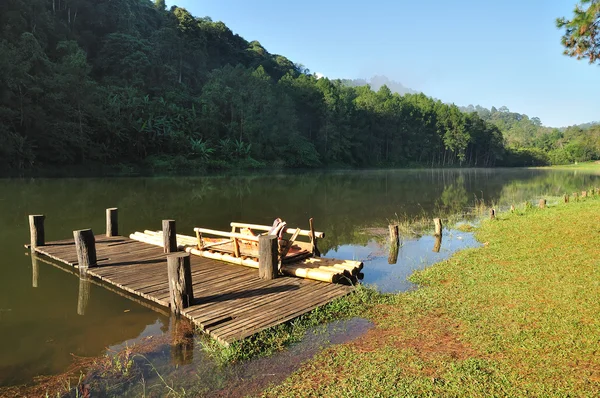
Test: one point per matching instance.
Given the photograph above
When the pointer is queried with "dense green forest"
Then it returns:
(546, 145)
(128, 82)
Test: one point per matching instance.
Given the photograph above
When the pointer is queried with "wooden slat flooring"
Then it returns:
(231, 302)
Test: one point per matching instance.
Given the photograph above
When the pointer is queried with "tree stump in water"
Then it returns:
(437, 222)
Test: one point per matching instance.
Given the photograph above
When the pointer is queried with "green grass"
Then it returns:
(519, 316)
(584, 166)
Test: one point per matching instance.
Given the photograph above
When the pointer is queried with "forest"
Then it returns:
(129, 83)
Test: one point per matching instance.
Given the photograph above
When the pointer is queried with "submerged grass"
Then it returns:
(517, 317)
(275, 339)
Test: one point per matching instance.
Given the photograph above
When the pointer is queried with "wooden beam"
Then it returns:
(303, 232)
(227, 234)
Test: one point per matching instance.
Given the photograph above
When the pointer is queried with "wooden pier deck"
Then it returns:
(230, 301)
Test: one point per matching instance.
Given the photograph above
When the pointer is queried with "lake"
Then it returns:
(42, 324)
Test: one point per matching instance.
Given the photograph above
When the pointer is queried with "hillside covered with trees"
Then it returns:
(128, 82)
(549, 145)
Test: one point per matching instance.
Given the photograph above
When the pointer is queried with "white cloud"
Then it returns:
(319, 75)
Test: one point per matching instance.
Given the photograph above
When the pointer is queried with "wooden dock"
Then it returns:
(230, 302)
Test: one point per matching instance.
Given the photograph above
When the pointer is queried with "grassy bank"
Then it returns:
(584, 166)
(518, 317)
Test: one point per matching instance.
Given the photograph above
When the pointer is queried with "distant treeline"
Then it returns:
(526, 137)
(127, 82)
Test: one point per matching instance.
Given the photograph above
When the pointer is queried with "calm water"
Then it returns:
(42, 326)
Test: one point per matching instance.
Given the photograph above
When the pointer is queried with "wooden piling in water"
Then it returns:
(85, 244)
(169, 236)
(180, 281)
(267, 257)
(542, 203)
(394, 235)
(112, 222)
(437, 222)
(36, 230)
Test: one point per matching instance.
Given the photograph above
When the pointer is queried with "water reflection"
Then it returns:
(39, 327)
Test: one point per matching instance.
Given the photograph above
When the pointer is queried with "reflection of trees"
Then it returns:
(342, 203)
(455, 197)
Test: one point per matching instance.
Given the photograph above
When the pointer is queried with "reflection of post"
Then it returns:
(34, 269)
(182, 340)
(438, 244)
(393, 257)
(84, 293)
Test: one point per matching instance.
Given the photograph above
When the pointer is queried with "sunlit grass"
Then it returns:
(517, 317)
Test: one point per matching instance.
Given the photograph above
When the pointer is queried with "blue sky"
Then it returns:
(464, 52)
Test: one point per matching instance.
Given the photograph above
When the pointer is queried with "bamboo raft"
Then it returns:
(242, 249)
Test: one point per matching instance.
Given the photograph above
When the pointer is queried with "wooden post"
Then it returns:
(84, 293)
(313, 239)
(542, 203)
(583, 194)
(438, 244)
(112, 222)
(85, 244)
(576, 196)
(438, 226)
(393, 255)
(169, 236)
(512, 208)
(492, 214)
(566, 198)
(36, 230)
(394, 237)
(180, 281)
(268, 249)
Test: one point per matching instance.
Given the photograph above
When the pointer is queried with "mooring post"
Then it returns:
(268, 251)
(394, 236)
(179, 272)
(169, 236)
(542, 203)
(112, 222)
(438, 226)
(36, 230)
(85, 244)
(492, 214)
